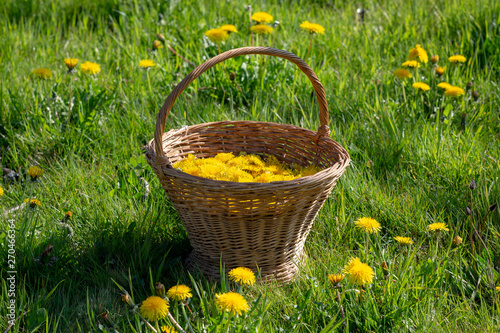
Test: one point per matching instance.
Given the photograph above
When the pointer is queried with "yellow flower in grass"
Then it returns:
(154, 308)
(261, 29)
(497, 289)
(146, 63)
(33, 202)
(232, 302)
(42, 73)
(457, 240)
(90, 67)
(444, 85)
(421, 86)
(242, 276)
(262, 17)
(418, 53)
(35, 172)
(435, 59)
(359, 273)
(437, 227)
(457, 58)
(312, 28)
(168, 329)
(411, 64)
(454, 92)
(217, 35)
(179, 292)
(229, 28)
(1, 191)
(335, 279)
(368, 224)
(440, 70)
(70, 63)
(402, 73)
(157, 45)
(403, 240)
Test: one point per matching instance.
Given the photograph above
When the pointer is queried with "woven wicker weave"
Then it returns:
(262, 226)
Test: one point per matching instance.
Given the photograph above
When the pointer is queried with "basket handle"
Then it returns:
(323, 130)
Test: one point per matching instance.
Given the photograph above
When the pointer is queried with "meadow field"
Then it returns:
(87, 232)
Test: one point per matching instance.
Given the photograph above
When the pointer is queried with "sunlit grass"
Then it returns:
(413, 157)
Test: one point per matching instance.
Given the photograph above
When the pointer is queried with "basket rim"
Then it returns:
(340, 164)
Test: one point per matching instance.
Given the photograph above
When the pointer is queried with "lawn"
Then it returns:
(425, 163)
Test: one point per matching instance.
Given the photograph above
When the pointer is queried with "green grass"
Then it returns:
(413, 157)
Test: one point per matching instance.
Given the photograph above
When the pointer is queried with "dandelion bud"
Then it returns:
(467, 211)
(472, 185)
(335, 279)
(439, 70)
(232, 76)
(126, 299)
(157, 45)
(68, 215)
(475, 95)
(385, 267)
(104, 318)
(276, 24)
(469, 85)
(249, 8)
(457, 240)
(434, 59)
(493, 207)
(160, 289)
(160, 37)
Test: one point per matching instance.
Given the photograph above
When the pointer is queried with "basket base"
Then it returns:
(283, 273)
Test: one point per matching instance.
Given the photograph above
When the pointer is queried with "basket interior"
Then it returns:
(290, 144)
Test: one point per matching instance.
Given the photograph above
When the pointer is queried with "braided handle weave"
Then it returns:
(167, 106)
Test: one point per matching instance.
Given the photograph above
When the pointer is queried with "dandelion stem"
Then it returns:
(176, 324)
(147, 323)
(341, 309)
(310, 46)
(471, 226)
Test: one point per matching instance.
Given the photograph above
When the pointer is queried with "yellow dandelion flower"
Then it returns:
(403, 240)
(157, 45)
(146, 63)
(335, 279)
(437, 227)
(154, 308)
(402, 73)
(312, 28)
(232, 302)
(261, 29)
(35, 172)
(411, 64)
(457, 59)
(42, 73)
(435, 59)
(1, 191)
(440, 70)
(90, 67)
(217, 35)
(242, 276)
(33, 202)
(359, 273)
(168, 329)
(454, 92)
(457, 240)
(421, 86)
(497, 288)
(70, 63)
(418, 53)
(444, 85)
(262, 17)
(368, 224)
(229, 28)
(179, 292)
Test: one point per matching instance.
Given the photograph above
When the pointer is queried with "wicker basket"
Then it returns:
(262, 226)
